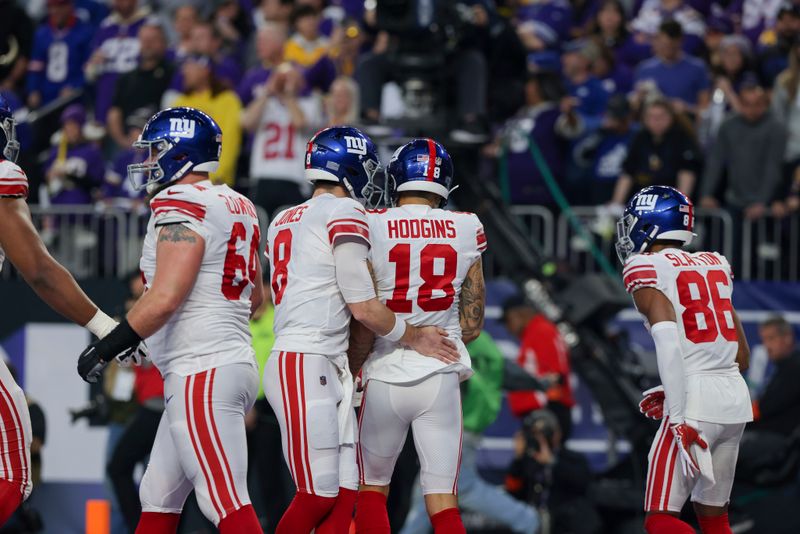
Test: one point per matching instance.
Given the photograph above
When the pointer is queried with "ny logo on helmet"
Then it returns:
(646, 202)
(356, 145)
(183, 128)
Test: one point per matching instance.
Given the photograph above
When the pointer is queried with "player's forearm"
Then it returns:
(56, 286)
(152, 312)
(743, 353)
(471, 306)
(670, 368)
(361, 341)
(374, 315)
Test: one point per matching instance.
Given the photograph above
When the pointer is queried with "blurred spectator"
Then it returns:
(653, 13)
(774, 44)
(233, 25)
(341, 105)
(678, 76)
(481, 400)
(346, 47)
(748, 151)
(273, 11)
(588, 92)
(615, 77)
(206, 93)
(778, 406)
(74, 168)
(548, 475)
(207, 41)
(183, 20)
(664, 152)
(717, 28)
(117, 188)
(734, 68)
(281, 119)
(115, 51)
(331, 16)
(270, 41)
(60, 48)
(604, 151)
(306, 46)
(542, 353)
(536, 122)
(543, 25)
(16, 39)
(142, 87)
(611, 29)
(759, 18)
(786, 108)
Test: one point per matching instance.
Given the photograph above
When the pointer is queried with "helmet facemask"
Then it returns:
(625, 245)
(151, 167)
(11, 150)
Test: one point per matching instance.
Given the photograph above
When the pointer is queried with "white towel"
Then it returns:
(345, 411)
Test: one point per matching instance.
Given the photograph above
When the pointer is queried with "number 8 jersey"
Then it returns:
(420, 257)
(211, 328)
(699, 285)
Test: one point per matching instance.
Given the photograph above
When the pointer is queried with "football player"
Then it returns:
(685, 300)
(318, 253)
(203, 279)
(20, 242)
(428, 270)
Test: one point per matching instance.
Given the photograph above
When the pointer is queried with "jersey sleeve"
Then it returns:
(348, 220)
(480, 236)
(180, 204)
(13, 181)
(640, 271)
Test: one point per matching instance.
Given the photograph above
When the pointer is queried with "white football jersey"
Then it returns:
(311, 315)
(211, 328)
(699, 285)
(279, 149)
(13, 184)
(420, 257)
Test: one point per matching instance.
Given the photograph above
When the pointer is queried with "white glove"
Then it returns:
(136, 357)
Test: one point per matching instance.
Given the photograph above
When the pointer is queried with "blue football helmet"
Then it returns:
(177, 141)
(655, 213)
(344, 155)
(8, 131)
(420, 165)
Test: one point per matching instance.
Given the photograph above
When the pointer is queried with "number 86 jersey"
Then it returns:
(211, 327)
(699, 285)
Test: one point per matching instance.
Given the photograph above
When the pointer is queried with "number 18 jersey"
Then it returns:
(211, 328)
(699, 285)
(420, 257)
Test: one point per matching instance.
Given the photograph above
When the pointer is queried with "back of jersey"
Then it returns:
(420, 257)
(311, 315)
(700, 286)
(211, 327)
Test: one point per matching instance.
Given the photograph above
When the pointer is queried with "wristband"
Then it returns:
(122, 338)
(397, 332)
(101, 324)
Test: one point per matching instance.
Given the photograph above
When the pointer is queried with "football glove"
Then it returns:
(652, 405)
(686, 436)
(138, 356)
(120, 343)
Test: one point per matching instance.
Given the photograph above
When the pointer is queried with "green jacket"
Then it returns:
(263, 339)
(482, 394)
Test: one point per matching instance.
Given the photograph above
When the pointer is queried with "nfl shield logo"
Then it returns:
(323, 381)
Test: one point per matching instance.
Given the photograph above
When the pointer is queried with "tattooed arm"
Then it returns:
(179, 253)
(361, 338)
(472, 303)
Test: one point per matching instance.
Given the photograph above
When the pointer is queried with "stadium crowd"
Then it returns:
(607, 96)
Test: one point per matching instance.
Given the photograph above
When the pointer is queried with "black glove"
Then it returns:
(119, 343)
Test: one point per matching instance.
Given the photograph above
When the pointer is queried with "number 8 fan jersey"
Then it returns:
(420, 257)
(699, 285)
(211, 328)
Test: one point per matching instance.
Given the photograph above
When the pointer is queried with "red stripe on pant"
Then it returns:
(305, 422)
(286, 415)
(18, 462)
(651, 476)
(292, 375)
(661, 475)
(218, 441)
(359, 455)
(460, 444)
(202, 400)
(188, 406)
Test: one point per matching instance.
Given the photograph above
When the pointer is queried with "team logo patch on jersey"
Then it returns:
(356, 145)
(181, 128)
(323, 381)
(646, 202)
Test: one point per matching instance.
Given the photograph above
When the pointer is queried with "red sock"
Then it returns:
(666, 524)
(448, 521)
(715, 525)
(341, 515)
(242, 521)
(371, 514)
(158, 523)
(304, 513)
(10, 499)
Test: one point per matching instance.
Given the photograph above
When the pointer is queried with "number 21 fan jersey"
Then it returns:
(211, 328)
(699, 285)
(420, 257)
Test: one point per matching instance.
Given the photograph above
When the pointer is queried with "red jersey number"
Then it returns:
(704, 316)
(237, 263)
(430, 255)
(281, 255)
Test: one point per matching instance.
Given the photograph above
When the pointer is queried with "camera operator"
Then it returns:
(552, 478)
(455, 32)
